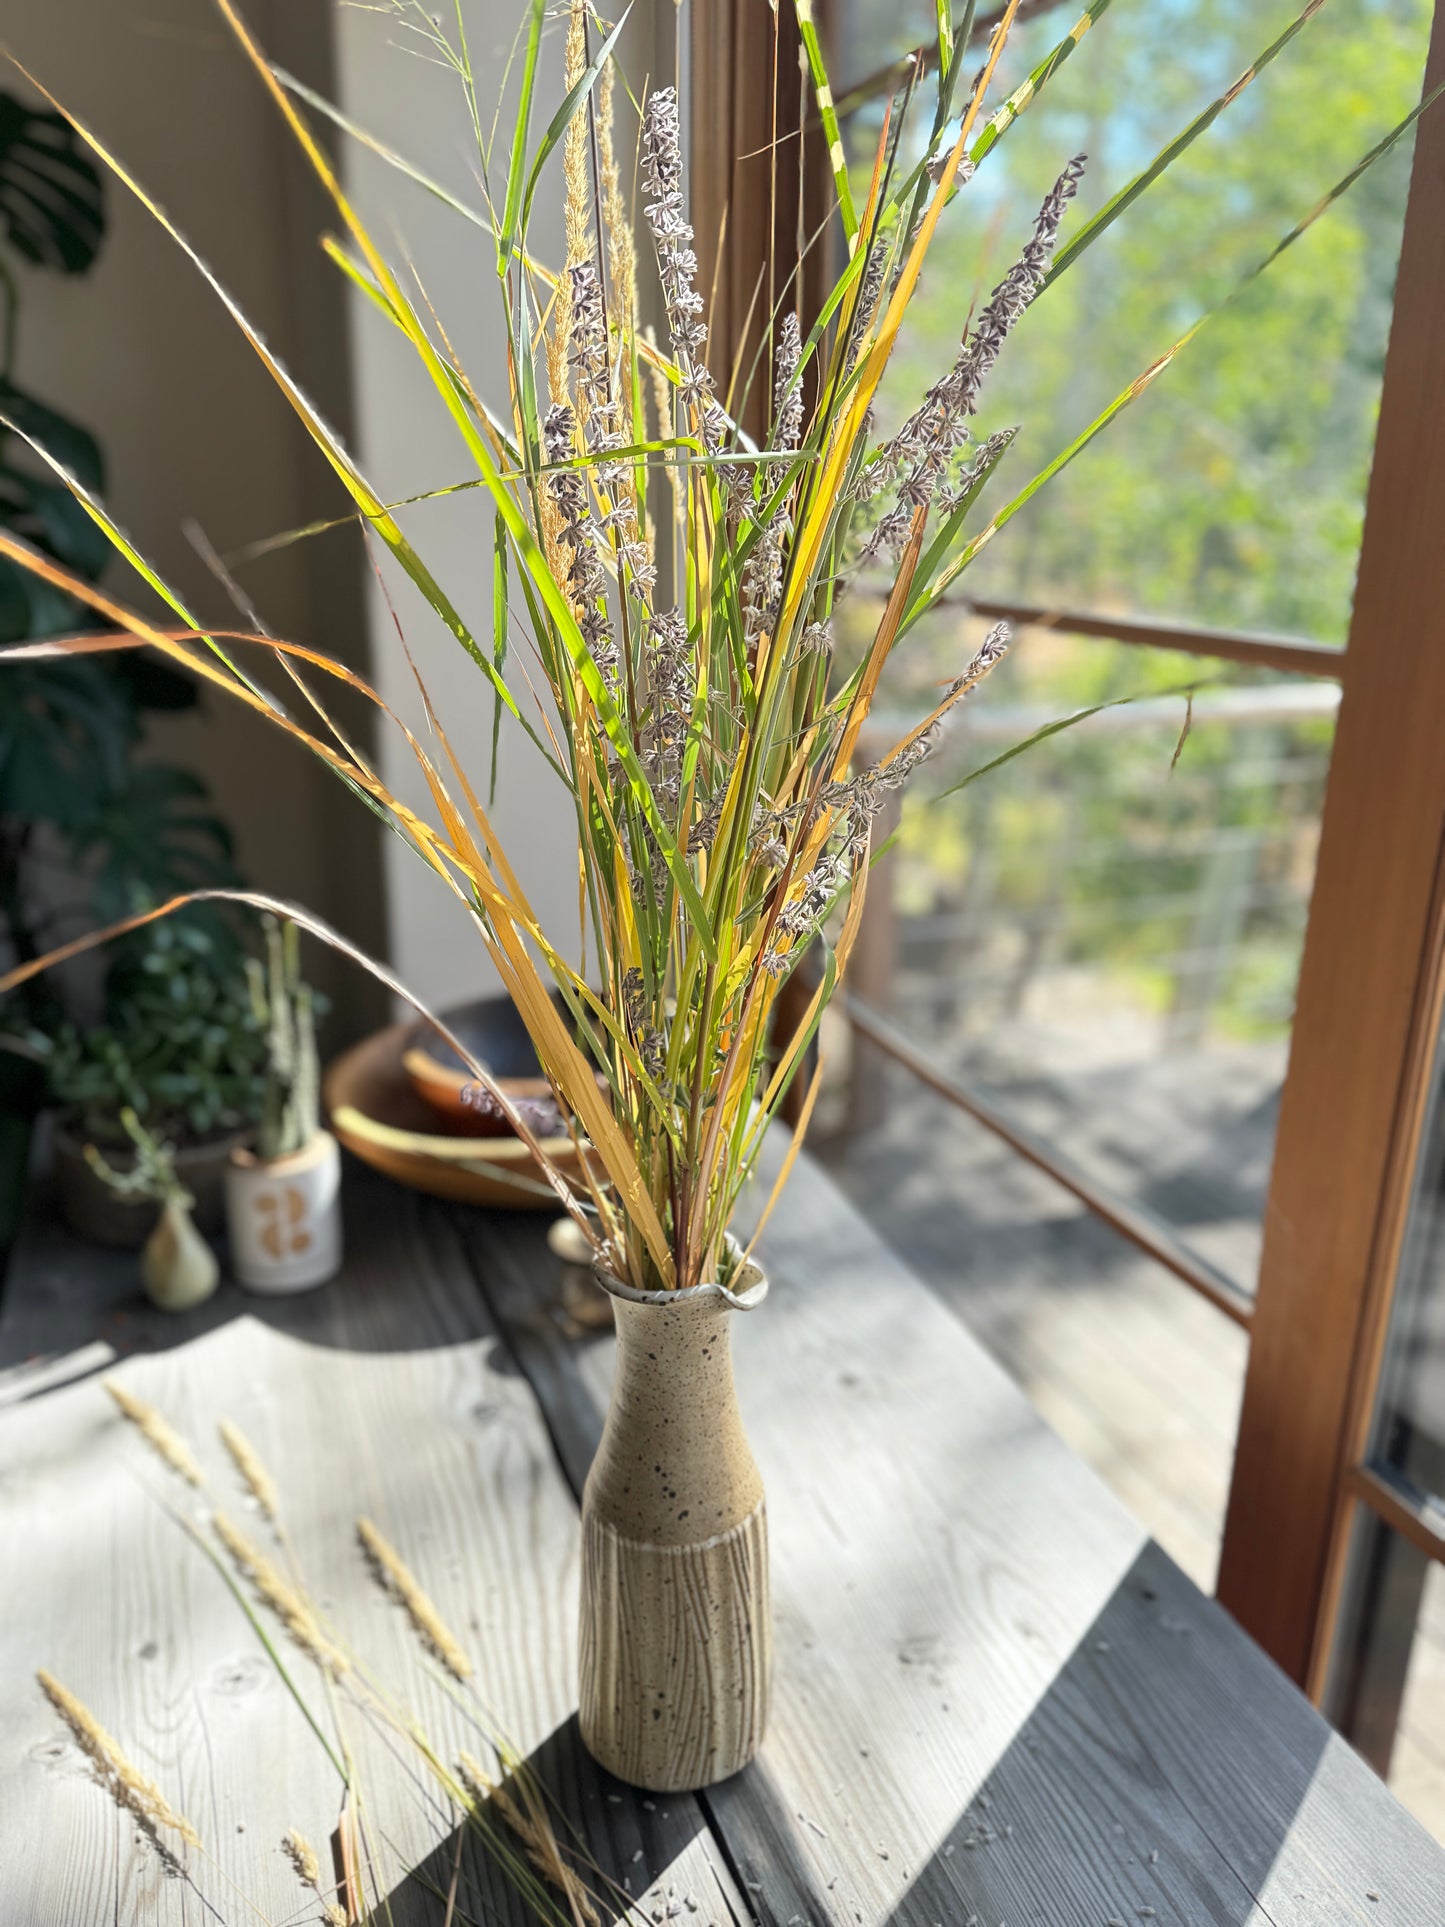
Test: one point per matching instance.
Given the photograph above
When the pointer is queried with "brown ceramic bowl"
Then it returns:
(493, 1032)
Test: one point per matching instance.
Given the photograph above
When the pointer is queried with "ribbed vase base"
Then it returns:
(675, 1654)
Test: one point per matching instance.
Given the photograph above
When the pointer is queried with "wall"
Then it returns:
(408, 444)
(143, 353)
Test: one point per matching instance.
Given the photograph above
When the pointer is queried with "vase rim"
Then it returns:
(753, 1278)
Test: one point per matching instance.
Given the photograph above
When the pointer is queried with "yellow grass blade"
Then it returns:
(785, 1170)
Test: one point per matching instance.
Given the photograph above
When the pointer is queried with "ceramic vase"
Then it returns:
(676, 1635)
(283, 1216)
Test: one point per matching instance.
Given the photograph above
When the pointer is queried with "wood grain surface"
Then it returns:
(995, 1701)
(386, 1393)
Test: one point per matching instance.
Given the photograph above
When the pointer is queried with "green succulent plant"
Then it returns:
(181, 1046)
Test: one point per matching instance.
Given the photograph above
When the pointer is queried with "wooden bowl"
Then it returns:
(377, 1113)
(493, 1031)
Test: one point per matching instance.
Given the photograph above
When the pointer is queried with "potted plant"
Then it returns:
(181, 1049)
(703, 689)
(70, 779)
(283, 1198)
(177, 1267)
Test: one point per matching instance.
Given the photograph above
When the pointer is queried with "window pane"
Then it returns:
(1409, 1434)
(1231, 493)
(1105, 941)
(1387, 1681)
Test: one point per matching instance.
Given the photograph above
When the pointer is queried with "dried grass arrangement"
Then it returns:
(665, 586)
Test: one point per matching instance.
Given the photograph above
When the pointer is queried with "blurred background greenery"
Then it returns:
(1110, 941)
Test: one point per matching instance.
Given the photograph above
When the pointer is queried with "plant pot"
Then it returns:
(284, 1217)
(676, 1633)
(94, 1212)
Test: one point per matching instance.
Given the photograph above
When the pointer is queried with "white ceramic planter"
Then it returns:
(284, 1218)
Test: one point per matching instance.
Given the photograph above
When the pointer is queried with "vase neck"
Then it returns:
(674, 1460)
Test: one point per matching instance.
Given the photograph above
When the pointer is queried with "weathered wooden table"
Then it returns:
(996, 1702)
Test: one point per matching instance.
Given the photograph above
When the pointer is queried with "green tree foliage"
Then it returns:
(1231, 495)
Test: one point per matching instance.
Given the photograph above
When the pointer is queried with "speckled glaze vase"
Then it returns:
(676, 1635)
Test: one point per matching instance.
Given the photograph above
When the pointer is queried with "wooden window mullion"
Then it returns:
(1368, 978)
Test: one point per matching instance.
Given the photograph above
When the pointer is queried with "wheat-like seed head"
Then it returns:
(398, 1578)
(290, 1606)
(302, 1855)
(527, 1818)
(249, 1464)
(156, 1432)
(127, 1784)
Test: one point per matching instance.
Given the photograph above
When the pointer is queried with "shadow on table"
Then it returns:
(637, 1840)
(1138, 1789)
(1135, 1791)
(81, 1305)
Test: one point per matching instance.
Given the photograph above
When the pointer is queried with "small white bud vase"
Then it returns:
(283, 1216)
(676, 1632)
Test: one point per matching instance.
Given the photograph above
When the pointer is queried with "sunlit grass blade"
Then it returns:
(366, 498)
(1142, 382)
(1167, 155)
(828, 115)
(1028, 91)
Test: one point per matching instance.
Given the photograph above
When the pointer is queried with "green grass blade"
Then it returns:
(944, 13)
(828, 114)
(123, 545)
(937, 551)
(321, 105)
(516, 171)
(1060, 724)
(499, 638)
(1028, 91)
(1151, 374)
(1167, 155)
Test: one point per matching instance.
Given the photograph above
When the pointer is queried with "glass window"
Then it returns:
(1104, 939)
(1231, 494)
(1387, 1687)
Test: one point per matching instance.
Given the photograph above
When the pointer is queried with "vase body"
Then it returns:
(284, 1217)
(676, 1635)
(177, 1267)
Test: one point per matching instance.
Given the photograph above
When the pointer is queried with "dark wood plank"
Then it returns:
(993, 1697)
(388, 1393)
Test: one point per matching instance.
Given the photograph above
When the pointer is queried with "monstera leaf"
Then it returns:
(51, 199)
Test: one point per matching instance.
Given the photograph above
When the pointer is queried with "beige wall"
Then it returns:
(141, 351)
(408, 444)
